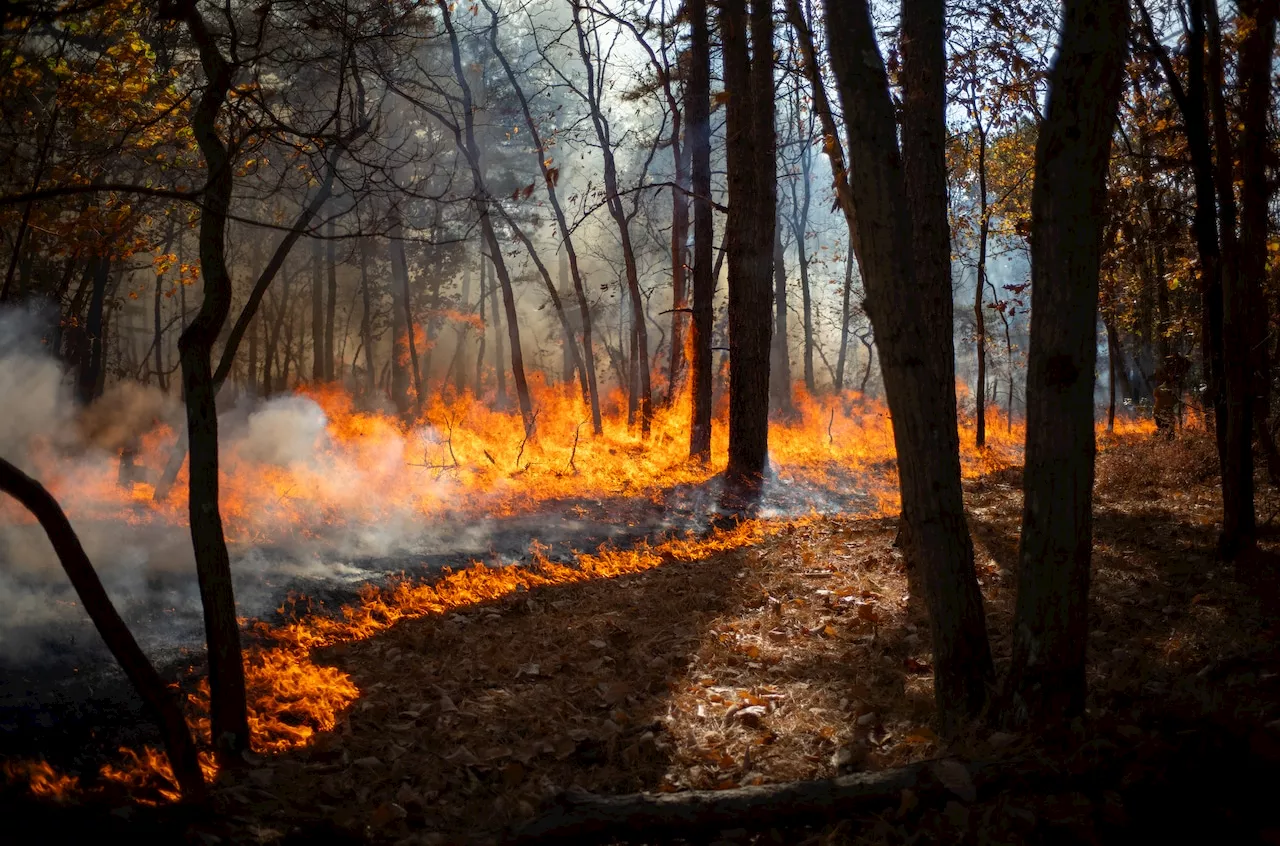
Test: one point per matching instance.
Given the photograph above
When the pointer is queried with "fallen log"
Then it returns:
(582, 817)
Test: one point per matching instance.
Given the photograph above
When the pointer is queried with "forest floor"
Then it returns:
(801, 658)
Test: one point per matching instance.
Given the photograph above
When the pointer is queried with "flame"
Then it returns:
(463, 458)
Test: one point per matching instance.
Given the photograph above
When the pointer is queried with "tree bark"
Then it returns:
(229, 711)
(909, 306)
(845, 307)
(750, 143)
(178, 741)
(698, 132)
(1046, 682)
(979, 314)
(90, 377)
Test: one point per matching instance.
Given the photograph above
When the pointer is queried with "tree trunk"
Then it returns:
(1241, 300)
(399, 341)
(845, 304)
(614, 203)
(229, 712)
(909, 306)
(152, 689)
(1046, 681)
(1232, 448)
(90, 377)
(679, 259)
(1113, 352)
(698, 132)
(486, 227)
(400, 277)
(780, 401)
(750, 144)
(331, 306)
(317, 311)
(366, 323)
(551, 178)
(979, 314)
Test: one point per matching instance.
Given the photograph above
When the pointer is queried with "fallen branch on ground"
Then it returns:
(582, 817)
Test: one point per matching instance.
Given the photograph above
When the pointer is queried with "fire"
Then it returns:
(461, 459)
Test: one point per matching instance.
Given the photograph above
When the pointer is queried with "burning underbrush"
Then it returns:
(772, 651)
(350, 469)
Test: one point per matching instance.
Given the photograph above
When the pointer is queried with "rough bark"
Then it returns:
(750, 144)
(1046, 682)
(229, 712)
(907, 302)
(698, 133)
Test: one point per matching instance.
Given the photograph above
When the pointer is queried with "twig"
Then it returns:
(574, 452)
(831, 438)
(528, 431)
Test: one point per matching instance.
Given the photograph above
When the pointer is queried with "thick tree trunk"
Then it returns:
(909, 305)
(750, 145)
(698, 132)
(154, 692)
(780, 401)
(1233, 441)
(1046, 681)
(229, 712)
(1242, 284)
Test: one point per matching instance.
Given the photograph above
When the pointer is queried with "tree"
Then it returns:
(228, 706)
(178, 742)
(916, 357)
(747, 38)
(1047, 676)
(697, 94)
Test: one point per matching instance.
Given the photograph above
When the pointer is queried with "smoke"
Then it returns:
(142, 552)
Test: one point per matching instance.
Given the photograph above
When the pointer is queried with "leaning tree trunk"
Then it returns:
(228, 706)
(614, 204)
(909, 306)
(551, 178)
(1046, 680)
(474, 159)
(750, 144)
(155, 694)
(698, 132)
